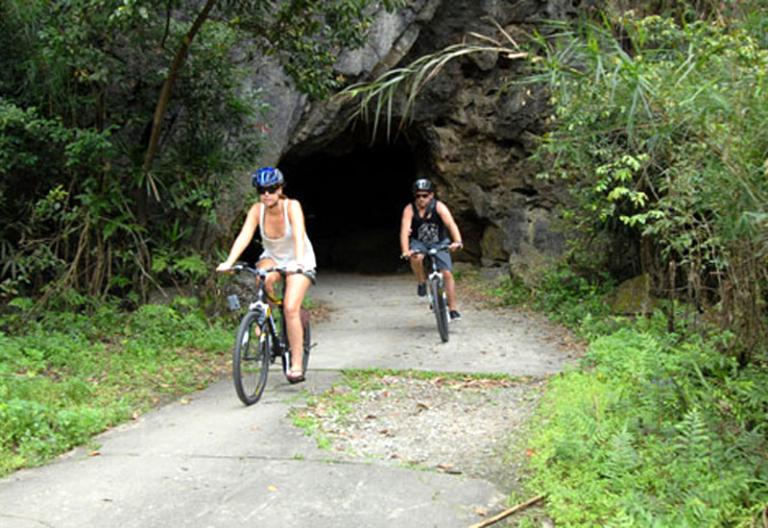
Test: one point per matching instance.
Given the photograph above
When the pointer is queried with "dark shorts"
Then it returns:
(444, 262)
(311, 275)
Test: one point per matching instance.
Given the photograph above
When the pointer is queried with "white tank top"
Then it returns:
(281, 249)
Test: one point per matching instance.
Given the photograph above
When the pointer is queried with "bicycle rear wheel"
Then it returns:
(307, 345)
(250, 360)
(439, 306)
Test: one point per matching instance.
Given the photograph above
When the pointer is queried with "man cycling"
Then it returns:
(427, 222)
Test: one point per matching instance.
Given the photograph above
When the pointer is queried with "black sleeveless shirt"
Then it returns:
(430, 229)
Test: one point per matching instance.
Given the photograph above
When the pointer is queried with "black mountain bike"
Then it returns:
(438, 301)
(262, 338)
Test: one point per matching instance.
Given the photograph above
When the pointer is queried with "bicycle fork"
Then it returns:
(432, 276)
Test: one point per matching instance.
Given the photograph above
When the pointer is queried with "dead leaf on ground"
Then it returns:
(448, 468)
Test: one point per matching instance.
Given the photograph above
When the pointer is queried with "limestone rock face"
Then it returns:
(633, 297)
(472, 128)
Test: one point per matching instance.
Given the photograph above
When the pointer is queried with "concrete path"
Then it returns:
(207, 461)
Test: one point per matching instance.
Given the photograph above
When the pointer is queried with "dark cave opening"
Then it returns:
(353, 194)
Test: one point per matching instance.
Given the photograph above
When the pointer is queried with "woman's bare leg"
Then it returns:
(272, 278)
(296, 286)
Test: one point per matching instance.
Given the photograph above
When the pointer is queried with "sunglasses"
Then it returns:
(421, 195)
(268, 190)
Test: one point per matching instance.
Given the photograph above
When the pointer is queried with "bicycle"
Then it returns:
(438, 300)
(251, 367)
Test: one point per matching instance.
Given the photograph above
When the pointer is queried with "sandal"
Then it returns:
(294, 376)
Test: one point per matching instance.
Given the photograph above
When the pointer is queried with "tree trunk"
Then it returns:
(173, 73)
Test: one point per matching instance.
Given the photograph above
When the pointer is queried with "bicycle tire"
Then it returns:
(249, 369)
(439, 308)
(307, 345)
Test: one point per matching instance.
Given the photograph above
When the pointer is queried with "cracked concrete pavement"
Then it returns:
(207, 461)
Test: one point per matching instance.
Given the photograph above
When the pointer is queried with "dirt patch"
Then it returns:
(466, 426)
(320, 312)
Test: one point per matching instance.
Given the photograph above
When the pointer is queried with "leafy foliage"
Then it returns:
(72, 111)
(70, 376)
(651, 428)
(659, 134)
(652, 433)
(566, 296)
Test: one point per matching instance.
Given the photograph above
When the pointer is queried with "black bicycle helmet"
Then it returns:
(424, 185)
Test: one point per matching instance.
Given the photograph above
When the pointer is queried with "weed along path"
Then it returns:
(410, 451)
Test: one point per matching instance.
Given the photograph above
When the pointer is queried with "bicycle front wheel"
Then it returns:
(250, 359)
(439, 306)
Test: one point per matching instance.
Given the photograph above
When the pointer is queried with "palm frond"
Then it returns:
(380, 95)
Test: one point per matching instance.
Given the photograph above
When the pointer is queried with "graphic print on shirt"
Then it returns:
(429, 233)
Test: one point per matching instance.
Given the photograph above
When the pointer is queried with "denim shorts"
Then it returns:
(443, 258)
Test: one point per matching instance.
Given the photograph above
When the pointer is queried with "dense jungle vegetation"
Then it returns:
(120, 125)
(659, 132)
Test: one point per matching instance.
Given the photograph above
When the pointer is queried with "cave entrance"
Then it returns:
(353, 193)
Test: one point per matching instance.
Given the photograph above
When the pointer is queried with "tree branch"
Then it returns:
(173, 73)
(507, 513)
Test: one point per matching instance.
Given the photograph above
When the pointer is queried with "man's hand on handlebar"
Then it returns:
(455, 246)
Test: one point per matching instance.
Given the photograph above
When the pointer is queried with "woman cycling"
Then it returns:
(283, 235)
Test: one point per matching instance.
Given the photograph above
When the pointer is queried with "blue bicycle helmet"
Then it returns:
(267, 177)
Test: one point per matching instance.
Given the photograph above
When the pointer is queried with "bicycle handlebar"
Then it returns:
(433, 250)
(261, 272)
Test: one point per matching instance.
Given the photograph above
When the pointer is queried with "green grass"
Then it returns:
(67, 377)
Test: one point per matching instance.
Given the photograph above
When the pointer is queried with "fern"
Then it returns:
(693, 441)
(622, 458)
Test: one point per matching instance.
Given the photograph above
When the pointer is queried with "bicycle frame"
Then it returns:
(432, 272)
(263, 305)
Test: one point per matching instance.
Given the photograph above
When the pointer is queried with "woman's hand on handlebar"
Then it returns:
(224, 266)
(455, 246)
